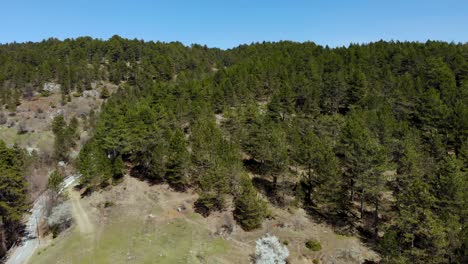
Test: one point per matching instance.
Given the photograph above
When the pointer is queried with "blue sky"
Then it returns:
(227, 24)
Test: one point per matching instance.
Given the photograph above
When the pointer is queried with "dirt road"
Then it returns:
(30, 242)
(79, 214)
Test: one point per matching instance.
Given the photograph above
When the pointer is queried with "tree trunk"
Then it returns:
(376, 220)
(308, 194)
(3, 247)
(275, 183)
(309, 183)
(362, 203)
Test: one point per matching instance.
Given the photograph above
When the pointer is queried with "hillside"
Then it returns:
(147, 224)
(30, 127)
(369, 140)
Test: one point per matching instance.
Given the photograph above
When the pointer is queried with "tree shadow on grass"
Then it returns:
(255, 166)
(278, 197)
(141, 173)
(344, 223)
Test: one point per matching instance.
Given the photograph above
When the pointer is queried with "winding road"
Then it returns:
(21, 253)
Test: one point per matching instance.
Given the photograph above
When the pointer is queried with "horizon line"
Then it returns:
(253, 42)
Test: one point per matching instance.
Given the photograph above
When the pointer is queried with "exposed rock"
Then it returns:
(52, 87)
(91, 93)
(350, 255)
(30, 150)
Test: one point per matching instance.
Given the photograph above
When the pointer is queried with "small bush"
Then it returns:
(108, 204)
(55, 230)
(207, 203)
(313, 245)
(22, 128)
(269, 250)
(104, 93)
(3, 118)
(315, 261)
(44, 93)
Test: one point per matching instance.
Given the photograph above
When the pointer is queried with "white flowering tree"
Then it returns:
(269, 250)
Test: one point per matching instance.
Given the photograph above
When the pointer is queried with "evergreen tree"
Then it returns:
(357, 87)
(118, 167)
(55, 179)
(249, 210)
(365, 160)
(178, 160)
(13, 194)
(322, 173)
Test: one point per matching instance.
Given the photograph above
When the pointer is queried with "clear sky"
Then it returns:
(226, 24)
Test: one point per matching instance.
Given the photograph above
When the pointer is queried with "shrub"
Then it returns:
(3, 118)
(44, 93)
(22, 128)
(269, 250)
(55, 181)
(208, 203)
(313, 245)
(118, 167)
(60, 219)
(104, 93)
(108, 204)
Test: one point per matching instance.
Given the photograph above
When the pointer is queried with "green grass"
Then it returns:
(136, 241)
(42, 140)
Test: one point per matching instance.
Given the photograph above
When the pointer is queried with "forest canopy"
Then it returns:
(373, 138)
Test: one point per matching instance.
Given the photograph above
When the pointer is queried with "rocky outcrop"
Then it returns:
(51, 87)
(91, 93)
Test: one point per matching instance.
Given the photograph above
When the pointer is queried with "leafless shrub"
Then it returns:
(3, 118)
(22, 128)
(60, 219)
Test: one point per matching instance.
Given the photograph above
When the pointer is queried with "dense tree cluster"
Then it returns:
(76, 63)
(12, 194)
(371, 137)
